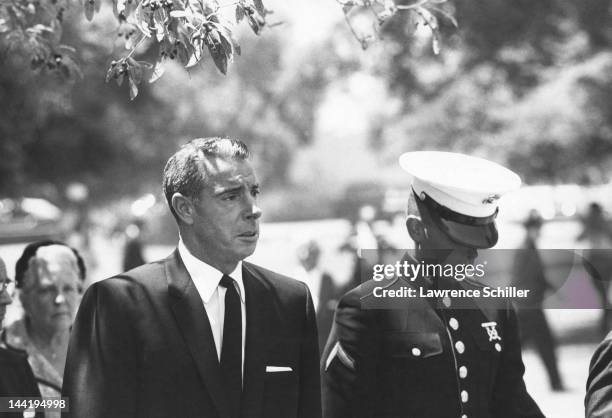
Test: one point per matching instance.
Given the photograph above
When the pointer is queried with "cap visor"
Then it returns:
(474, 236)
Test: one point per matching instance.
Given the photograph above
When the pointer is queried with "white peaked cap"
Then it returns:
(464, 184)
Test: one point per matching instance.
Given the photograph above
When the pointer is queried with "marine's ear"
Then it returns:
(416, 229)
(183, 207)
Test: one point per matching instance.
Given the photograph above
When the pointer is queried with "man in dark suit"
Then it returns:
(200, 333)
(16, 377)
(324, 292)
(440, 356)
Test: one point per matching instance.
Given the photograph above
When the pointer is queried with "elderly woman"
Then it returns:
(49, 276)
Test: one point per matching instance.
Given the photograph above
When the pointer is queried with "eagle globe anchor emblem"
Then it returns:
(491, 330)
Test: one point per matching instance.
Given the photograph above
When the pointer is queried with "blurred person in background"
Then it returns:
(529, 273)
(16, 377)
(597, 232)
(49, 276)
(431, 357)
(133, 251)
(322, 287)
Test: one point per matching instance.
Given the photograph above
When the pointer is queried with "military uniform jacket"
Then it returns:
(423, 361)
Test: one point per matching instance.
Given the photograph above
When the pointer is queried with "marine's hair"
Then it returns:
(412, 208)
(29, 252)
(184, 171)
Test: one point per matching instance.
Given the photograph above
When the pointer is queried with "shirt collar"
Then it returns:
(205, 277)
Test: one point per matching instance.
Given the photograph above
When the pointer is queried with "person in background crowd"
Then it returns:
(322, 287)
(133, 250)
(597, 231)
(49, 276)
(431, 357)
(16, 377)
(529, 273)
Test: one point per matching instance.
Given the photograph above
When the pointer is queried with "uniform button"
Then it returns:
(463, 372)
(454, 324)
(446, 301)
(416, 352)
(464, 396)
(460, 347)
(498, 346)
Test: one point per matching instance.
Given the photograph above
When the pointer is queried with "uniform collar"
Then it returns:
(205, 277)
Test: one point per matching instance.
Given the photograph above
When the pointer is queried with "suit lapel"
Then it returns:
(191, 318)
(257, 314)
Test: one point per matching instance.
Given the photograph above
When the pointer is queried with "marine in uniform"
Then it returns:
(432, 357)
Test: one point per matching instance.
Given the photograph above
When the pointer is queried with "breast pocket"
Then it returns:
(412, 345)
(408, 359)
(281, 379)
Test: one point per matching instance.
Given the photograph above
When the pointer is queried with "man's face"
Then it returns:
(5, 298)
(440, 248)
(51, 288)
(226, 219)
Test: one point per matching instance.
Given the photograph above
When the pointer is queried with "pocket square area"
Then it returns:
(276, 369)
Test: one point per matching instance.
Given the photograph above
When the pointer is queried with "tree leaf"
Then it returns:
(220, 60)
(447, 15)
(90, 7)
(253, 24)
(435, 42)
(193, 60)
(239, 13)
(158, 71)
(259, 6)
(226, 33)
(109, 74)
(227, 46)
(141, 21)
(120, 7)
(218, 54)
(133, 88)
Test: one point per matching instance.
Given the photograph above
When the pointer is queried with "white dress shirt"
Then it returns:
(206, 279)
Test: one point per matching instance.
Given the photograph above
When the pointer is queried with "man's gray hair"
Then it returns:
(184, 172)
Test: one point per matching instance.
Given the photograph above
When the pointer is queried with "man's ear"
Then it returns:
(183, 207)
(416, 229)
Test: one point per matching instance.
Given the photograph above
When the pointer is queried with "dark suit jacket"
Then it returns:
(328, 300)
(403, 362)
(142, 346)
(598, 401)
(16, 378)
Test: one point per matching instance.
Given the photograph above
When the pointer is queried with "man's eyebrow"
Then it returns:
(228, 190)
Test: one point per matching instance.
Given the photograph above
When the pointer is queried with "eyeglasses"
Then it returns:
(5, 284)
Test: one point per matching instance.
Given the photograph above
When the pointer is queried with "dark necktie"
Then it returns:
(231, 349)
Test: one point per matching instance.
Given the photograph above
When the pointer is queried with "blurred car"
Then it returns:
(29, 219)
